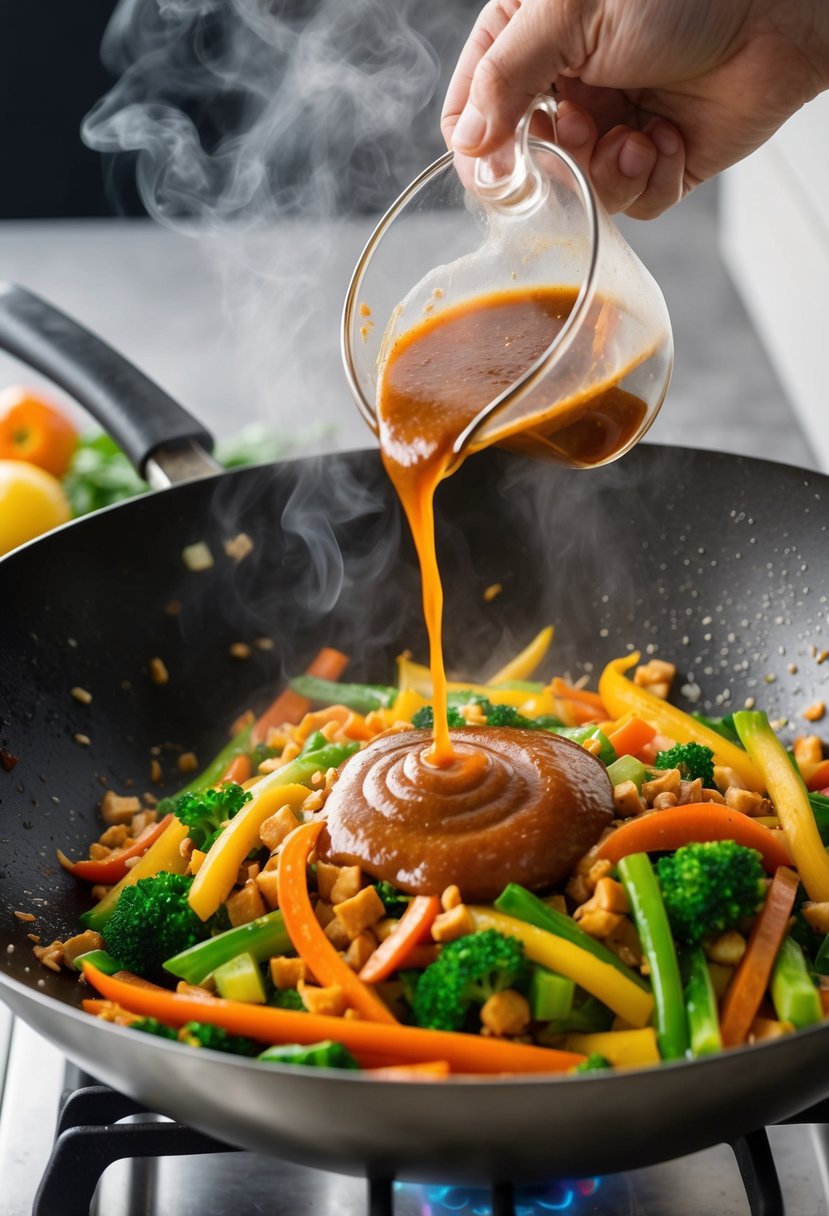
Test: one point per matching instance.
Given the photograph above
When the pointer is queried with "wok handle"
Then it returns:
(139, 415)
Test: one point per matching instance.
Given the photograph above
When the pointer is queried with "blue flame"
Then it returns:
(529, 1200)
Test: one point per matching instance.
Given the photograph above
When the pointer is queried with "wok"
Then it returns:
(713, 560)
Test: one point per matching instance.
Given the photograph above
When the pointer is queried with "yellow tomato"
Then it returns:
(31, 502)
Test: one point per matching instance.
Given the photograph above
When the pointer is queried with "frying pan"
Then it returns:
(715, 561)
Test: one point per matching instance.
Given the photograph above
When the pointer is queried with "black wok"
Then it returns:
(715, 561)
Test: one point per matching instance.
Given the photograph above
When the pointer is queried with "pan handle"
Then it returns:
(161, 439)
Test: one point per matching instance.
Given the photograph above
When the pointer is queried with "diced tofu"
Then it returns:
(360, 912)
(245, 905)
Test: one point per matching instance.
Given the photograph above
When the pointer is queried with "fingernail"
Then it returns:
(573, 129)
(634, 157)
(666, 140)
(470, 130)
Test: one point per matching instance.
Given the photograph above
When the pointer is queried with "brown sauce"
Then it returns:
(423, 816)
(518, 806)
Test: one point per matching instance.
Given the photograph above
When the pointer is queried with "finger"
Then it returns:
(491, 21)
(666, 184)
(621, 166)
(535, 46)
(577, 133)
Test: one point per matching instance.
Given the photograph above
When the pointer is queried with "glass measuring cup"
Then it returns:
(539, 225)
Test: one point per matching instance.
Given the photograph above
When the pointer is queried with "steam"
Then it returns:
(274, 132)
(242, 112)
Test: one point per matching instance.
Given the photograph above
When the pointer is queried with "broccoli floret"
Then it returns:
(200, 1034)
(709, 887)
(153, 1026)
(468, 972)
(205, 812)
(593, 1063)
(287, 998)
(508, 715)
(424, 719)
(394, 901)
(326, 1054)
(152, 921)
(692, 759)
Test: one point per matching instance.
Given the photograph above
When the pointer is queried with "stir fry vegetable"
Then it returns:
(672, 937)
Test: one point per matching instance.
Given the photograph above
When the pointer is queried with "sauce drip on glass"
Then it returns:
(478, 807)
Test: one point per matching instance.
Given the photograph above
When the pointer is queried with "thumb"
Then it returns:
(540, 41)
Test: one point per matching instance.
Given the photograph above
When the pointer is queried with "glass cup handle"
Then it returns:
(523, 187)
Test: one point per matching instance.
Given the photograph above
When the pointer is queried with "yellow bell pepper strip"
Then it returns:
(620, 994)
(648, 908)
(164, 855)
(664, 831)
(217, 873)
(522, 665)
(373, 1043)
(324, 962)
(787, 792)
(621, 696)
(406, 705)
(414, 677)
(622, 1048)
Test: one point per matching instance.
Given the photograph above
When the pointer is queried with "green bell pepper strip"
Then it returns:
(645, 897)
(550, 995)
(241, 743)
(701, 1004)
(793, 994)
(262, 938)
(361, 697)
(517, 901)
(100, 959)
(580, 734)
(627, 768)
(300, 770)
(790, 800)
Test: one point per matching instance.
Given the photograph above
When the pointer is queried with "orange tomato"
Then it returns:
(33, 430)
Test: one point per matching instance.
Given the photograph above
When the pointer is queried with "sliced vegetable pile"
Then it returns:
(697, 923)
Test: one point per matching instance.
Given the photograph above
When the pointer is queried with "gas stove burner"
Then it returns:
(582, 1197)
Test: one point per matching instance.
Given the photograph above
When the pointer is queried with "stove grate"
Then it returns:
(89, 1138)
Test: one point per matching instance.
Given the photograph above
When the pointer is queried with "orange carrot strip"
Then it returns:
(112, 869)
(428, 1070)
(469, 1053)
(412, 928)
(745, 992)
(289, 706)
(305, 931)
(818, 778)
(569, 692)
(238, 770)
(663, 831)
(631, 736)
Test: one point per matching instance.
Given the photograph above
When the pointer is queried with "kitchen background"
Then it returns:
(242, 325)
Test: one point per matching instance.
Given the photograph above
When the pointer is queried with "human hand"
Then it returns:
(655, 96)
